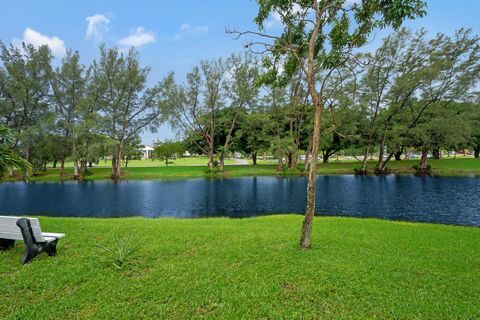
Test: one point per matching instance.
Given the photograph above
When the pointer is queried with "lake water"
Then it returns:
(449, 200)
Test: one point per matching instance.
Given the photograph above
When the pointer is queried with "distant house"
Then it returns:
(147, 152)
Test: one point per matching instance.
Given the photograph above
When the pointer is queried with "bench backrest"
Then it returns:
(10, 230)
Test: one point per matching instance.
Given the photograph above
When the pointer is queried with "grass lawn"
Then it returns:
(190, 161)
(248, 269)
(460, 166)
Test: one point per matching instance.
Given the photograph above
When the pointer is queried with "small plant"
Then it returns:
(122, 253)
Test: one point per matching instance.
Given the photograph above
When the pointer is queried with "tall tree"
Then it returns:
(24, 84)
(193, 108)
(128, 105)
(318, 37)
(69, 91)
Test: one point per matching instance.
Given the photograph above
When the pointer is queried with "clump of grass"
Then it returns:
(123, 252)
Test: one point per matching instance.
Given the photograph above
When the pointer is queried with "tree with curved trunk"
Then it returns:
(192, 108)
(318, 37)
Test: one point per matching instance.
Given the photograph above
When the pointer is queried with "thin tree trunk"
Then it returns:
(477, 153)
(306, 234)
(62, 167)
(436, 153)
(211, 159)
(221, 162)
(381, 152)
(254, 158)
(363, 169)
(75, 169)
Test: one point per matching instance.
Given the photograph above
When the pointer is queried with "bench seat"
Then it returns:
(28, 230)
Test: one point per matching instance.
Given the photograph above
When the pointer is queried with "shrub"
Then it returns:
(121, 255)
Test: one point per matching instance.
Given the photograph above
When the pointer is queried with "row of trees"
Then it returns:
(73, 111)
(412, 92)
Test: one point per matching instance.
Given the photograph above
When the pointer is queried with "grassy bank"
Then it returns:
(249, 269)
(141, 170)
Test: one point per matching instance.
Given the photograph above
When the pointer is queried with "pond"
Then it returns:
(448, 200)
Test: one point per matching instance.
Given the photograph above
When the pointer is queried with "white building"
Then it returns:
(147, 152)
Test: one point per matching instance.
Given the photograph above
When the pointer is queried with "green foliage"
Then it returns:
(123, 251)
(167, 150)
(8, 158)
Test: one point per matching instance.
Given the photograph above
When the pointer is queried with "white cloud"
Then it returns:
(35, 38)
(187, 29)
(97, 25)
(138, 37)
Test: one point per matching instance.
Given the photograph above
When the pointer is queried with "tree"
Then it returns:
(8, 158)
(69, 93)
(167, 150)
(318, 37)
(24, 84)
(448, 72)
(193, 108)
(243, 94)
(128, 105)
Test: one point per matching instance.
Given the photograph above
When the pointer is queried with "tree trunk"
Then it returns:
(75, 170)
(398, 155)
(477, 152)
(90, 164)
(116, 162)
(436, 153)
(363, 169)
(423, 170)
(221, 162)
(290, 160)
(211, 160)
(54, 163)
(83, 168)
(62, 167)
(254, 158)
(382, 168)
(381, 152)
(306, 234)
(325, 158)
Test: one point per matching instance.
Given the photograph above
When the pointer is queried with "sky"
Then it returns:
(172, 35)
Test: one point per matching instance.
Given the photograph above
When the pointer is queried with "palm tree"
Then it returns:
(8, 158)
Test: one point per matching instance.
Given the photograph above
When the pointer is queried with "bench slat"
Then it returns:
(11, 236)
(9, 224)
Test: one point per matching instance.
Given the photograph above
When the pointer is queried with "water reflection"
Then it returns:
(451, 200)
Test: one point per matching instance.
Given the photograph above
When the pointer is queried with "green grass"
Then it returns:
(190, 161)
(249, 269)
(460, 166)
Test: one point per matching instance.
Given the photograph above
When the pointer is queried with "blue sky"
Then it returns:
(171, 35)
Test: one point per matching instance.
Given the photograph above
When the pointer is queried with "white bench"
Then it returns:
(28, 230)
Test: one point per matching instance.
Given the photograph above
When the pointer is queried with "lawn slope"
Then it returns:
(249, 269)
